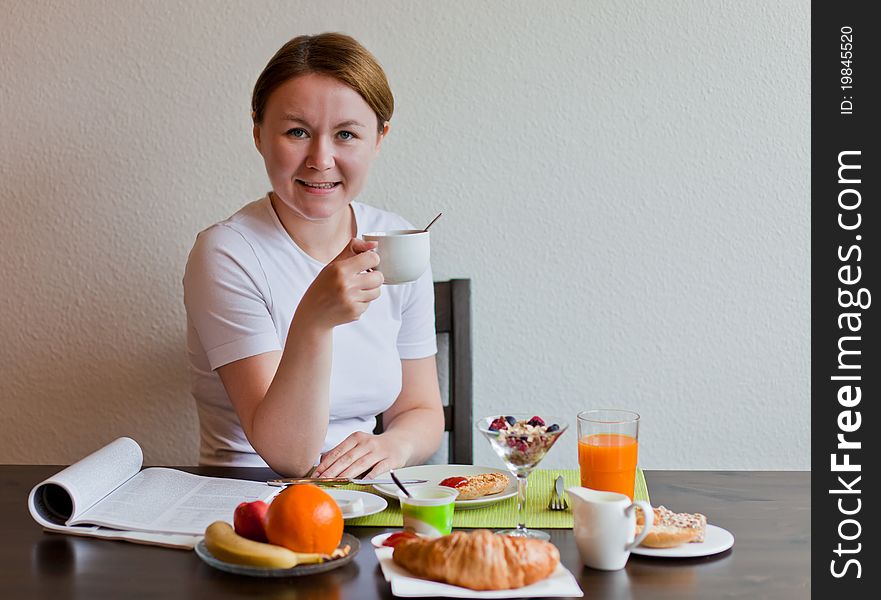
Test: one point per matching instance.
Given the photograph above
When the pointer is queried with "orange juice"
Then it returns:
(608, 462)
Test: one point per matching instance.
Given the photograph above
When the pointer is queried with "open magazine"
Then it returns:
(107, 495)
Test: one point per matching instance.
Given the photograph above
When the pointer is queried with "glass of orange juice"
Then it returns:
(608, 444)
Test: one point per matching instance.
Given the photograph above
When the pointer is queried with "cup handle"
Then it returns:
(649, 521)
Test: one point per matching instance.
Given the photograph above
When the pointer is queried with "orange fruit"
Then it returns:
(304, 518)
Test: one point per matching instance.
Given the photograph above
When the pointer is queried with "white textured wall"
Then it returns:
(625, 183)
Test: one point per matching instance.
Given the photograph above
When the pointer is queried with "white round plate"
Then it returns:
(434, 474)
(716, 540)
(372, 503)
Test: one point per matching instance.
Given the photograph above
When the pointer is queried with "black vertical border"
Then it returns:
(835, 129)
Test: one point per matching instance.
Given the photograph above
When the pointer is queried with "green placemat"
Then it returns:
(504, 513)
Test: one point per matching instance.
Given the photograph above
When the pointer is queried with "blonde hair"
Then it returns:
(333, 54)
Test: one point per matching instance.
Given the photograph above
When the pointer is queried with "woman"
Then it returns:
(294, 344)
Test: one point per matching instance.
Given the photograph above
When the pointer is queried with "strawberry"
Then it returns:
(498, 424)
(398, 537)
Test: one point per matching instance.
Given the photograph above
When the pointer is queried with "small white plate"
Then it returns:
(372, 503)
(716, 540)
(434, 474)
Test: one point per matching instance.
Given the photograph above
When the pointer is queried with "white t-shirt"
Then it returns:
(244, 279)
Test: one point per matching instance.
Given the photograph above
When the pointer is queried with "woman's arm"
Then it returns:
(282, 398)
(414, 425)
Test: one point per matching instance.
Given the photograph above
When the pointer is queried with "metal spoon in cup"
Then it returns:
(398, 481)
(432, 221)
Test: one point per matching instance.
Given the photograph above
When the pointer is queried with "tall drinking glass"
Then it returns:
(608, 444)
(521, 441)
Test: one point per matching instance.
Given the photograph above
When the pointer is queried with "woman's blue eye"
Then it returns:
(346, 135)
(297, 132)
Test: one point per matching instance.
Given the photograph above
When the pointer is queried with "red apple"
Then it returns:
(249, 519)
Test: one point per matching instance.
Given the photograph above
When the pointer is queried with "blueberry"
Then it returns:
(553, 428)
(510, 420)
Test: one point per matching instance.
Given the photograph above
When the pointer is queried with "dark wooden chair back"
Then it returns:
(452, 316)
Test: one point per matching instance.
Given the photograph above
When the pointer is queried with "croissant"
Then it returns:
(480, 560)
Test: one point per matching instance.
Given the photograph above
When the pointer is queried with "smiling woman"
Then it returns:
(316, 147)
(294, 344)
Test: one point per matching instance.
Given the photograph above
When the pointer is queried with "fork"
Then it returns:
(558, 501)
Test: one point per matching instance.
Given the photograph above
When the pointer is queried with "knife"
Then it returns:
(337, 481)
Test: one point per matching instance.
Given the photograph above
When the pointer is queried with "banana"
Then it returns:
(225, 544)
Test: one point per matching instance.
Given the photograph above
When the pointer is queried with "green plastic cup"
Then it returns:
(429, 509)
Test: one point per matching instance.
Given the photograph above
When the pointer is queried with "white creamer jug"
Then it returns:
(605, 526)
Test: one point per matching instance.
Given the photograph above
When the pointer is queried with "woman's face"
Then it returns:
(318, 139)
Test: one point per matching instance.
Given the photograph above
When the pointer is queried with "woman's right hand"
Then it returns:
(344, 288)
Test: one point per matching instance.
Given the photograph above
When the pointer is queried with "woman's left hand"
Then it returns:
(362, 453)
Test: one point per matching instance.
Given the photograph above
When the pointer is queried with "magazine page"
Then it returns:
(69, 493)
(162, 500)
(167, 540)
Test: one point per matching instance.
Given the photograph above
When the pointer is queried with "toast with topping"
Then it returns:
(671, 529)
(473, 487)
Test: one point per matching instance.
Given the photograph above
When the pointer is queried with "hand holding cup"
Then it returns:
(345, 287)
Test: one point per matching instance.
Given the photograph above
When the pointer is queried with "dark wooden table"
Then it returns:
(768, 512)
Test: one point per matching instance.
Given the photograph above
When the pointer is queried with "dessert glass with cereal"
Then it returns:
(521, 441)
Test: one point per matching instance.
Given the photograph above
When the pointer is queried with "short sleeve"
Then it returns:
(417, 337)
(227, 297)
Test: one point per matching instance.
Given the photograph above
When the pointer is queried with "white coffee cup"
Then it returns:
(605, 526)
(403, 254)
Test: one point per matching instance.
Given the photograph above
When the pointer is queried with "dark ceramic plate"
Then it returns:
(205, 555)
